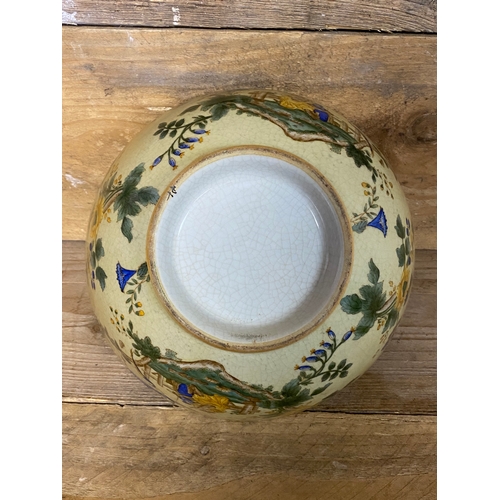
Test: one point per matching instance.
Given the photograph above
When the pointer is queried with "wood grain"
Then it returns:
(378, 15)
(163, 453)
(403, 380)
(117, 80)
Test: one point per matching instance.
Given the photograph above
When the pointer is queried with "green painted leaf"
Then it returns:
(93, 261)
(334, 375)
(400, 252)
(180, 122)
(359, 227)
(162, 125)
(342, 364)
(336, 149)
(364, 325)
(291, 389)
(351, 304)
(374, 274)
(126, 228)
(173, 133)
(143, 270)
(360, 157)
(400, 230)
(346, 367)
(147, 195)
(374, 298)
(391, 319)
(99, 249)
(325, 377)
(190, 109)
(163, 134)
(101, 277)
(344, 374)
(219, 111)
(331, 366)
(319, 390)
(134, 177)
(407, 246)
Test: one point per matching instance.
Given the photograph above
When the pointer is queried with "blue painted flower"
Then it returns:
(157, 160)
(178, 152)
(331, 334)
(184, 393)
(318, 352)
(192, 139)
(183, 145)
(123, 275)
(303, 367)
(310, 359)
(200, 131)
(322, 114)
(347, 335)
(172, 163)
(326, 345)
(380, 222)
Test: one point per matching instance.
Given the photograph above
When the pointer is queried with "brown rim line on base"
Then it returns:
(333, 265)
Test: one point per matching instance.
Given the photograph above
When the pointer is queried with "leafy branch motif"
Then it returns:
(369, 217)
(124, 198)
(128, 199)
(96, 251)
(319, 365)
(372, 303)
(125, 279)
(184, 138)
(404, 252)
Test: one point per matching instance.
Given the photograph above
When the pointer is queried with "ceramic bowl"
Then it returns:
(249, 254)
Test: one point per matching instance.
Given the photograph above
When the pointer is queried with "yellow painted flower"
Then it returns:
(288, 102)
(219, 403)
(99, 215)
(405, 278)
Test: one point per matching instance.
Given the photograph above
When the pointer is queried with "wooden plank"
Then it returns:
(379, 15)
(403, 380)
(138, 452)
(117, 80)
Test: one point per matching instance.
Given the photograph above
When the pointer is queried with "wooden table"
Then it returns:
(126, 61)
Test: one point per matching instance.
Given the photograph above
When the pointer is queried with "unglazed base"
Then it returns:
(250, 251)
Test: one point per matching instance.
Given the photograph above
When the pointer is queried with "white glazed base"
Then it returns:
(249, 250)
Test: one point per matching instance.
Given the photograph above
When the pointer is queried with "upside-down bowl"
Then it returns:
(249, 254)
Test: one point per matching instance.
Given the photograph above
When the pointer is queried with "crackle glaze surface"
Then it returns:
(249, 254)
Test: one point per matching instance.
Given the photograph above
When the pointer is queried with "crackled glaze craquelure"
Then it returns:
(249, 254)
